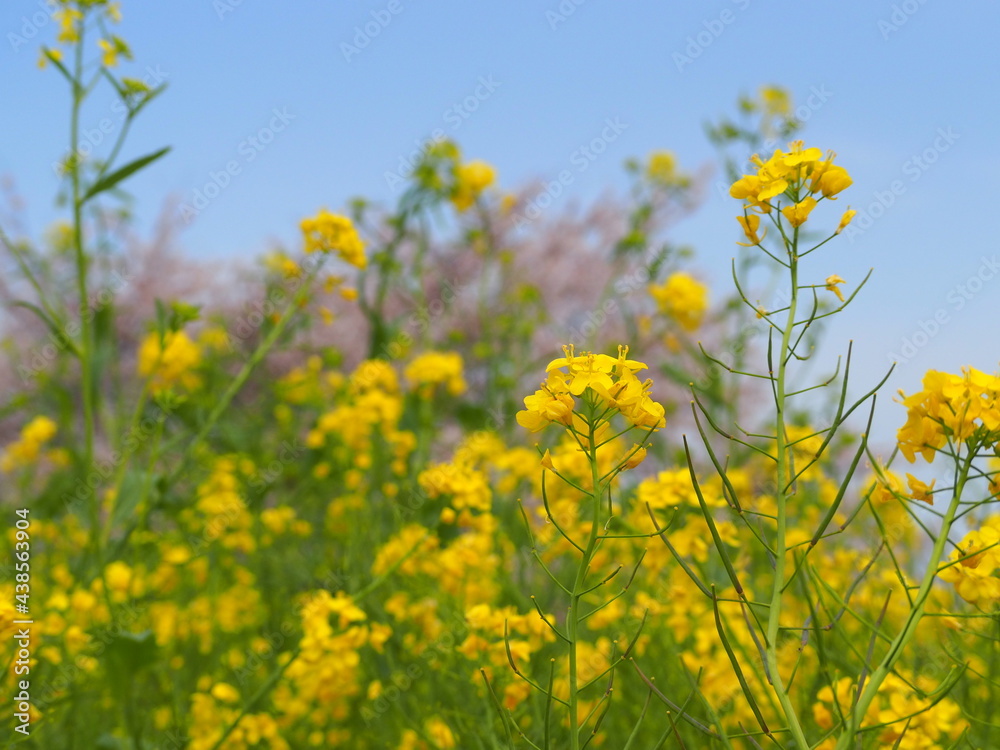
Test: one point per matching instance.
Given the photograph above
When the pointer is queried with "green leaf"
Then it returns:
(129, 494)
(55, 328)
(110, 180)
(136, 109)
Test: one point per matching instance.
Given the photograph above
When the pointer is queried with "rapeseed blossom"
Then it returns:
(605, 380)
(471, 179)
(950, 408)
(169, 360)
(27, 448)
(326, 233)
(799, 175)
(432, 369)
(683, 298)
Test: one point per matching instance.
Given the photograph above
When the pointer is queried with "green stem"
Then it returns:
(86, 346)
(579, 586)
(782, 494)
(903, 638)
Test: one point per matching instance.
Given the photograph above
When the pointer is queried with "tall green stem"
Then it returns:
(86, 345)
(579, 586)
(783, 493)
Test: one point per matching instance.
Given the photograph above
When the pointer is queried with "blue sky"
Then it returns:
(905, 92)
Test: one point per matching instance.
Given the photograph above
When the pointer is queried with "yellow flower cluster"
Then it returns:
(683, 298)
(912, 719)
(950, 408)
(605, 381)
(172, 360)
(219, 512)
(26, 449)
(432, 369)
(326, 675)
(973, 573)
(213, 711)
(326, 232)
(471, 179)
(793, 171)
(369, 411)
(798, 174)
(661, 169)
(467, 487)
(436, 730)
(526, 635)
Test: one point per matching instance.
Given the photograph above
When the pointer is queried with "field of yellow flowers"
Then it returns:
(366, 508)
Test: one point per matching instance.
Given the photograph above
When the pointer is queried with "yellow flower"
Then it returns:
(225, 693)
(845, 220)
(471, 180)
(440, 733)
(776, 101)
(635, 456)
(682, 298)
(544, 407)
(750, 224)
(110, 57)
(112, 48)
(49, 54)
(432, 369)
(920, 490)
(118, 577)
(326, 232)
(950, 407)
(831, 285)
(975, 563)
(27, 448)
(830, 179)
(662, 169)
(67, 19)
(749, 188)
(171, 361)
(798, 213)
